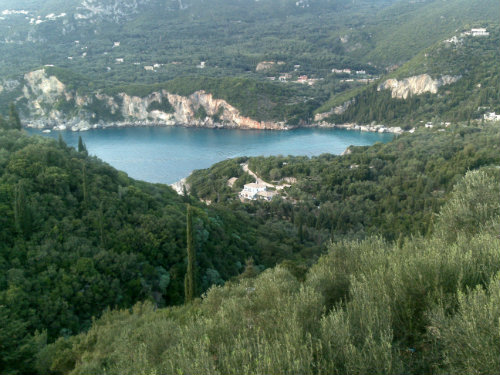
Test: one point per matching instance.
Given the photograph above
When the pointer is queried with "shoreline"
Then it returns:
(83, 126)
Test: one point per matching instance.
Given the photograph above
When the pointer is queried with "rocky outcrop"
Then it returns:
(415, 85)
(338, 110)
(264, 65)
(374, 128)
(52, 105)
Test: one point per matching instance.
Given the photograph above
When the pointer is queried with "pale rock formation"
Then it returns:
(43, 92)
(338, 110)
(264, 65)
(415, 85)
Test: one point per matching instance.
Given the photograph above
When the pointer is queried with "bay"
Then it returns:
(167, 154)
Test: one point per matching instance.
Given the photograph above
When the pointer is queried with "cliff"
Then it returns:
(50, 104)
(415, 85)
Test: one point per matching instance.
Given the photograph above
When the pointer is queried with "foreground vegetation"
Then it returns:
(78, 237)
(421, 306)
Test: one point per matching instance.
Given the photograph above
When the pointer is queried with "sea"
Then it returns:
(168, 154)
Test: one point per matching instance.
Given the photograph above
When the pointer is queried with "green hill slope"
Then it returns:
(471, 62)
(77, 237)
(423, 306)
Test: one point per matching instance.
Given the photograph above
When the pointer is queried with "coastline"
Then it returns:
(82, 126)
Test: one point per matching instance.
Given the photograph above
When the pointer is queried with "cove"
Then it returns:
(167, 154)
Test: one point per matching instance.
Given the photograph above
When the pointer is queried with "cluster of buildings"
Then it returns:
(348, 71)
(255, 191)
(491, 116)
(472, 32)
(477, 32)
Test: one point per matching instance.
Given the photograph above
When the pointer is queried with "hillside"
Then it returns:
(280, 55)
(388, 189)
(454, 80)
(422, 306)
(78, 237)
(52, 97)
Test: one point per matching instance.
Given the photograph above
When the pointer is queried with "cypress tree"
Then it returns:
(3, 123)
(22, 213)
(60, 142)
(189, 280)
(185, 194)
(14, 121)
(81, 145)
(84, 186)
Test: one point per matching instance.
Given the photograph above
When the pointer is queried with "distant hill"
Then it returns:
(105, 44)
(456, 79)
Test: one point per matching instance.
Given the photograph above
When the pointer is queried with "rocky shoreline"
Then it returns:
(82, 125)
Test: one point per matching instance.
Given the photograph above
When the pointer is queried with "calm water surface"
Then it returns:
(167, 154)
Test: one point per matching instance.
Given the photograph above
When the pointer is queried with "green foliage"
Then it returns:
(473, 61)
(200, 113)
(163, 106)
(429, 307)
(81, 145)
(77, 237)
(15, 122)
(390, 189)
(190, 279)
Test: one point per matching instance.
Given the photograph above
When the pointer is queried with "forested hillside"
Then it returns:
(78, 237)
(382, 260)
(391, 189)
(471, 61)
(284, 48)
(422, 306)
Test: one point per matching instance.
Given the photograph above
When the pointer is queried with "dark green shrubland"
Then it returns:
(429, 305)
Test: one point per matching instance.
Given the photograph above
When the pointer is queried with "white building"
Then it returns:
(479, 32)
(491, 116)
(250, 190)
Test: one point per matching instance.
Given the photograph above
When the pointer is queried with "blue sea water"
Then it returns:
(167, 154)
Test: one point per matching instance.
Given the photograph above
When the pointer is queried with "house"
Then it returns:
(250, 190)
(284, 77)
(149, 67)
(346, 71)
(119, 60)
(479, 32)
(491, 116)
(360, 71)
(302, 79)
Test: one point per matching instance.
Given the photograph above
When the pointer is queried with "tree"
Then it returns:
(3, 124)
(22, 213)
(189, 281)
(60, 142)
(81, 145)
(14, 121)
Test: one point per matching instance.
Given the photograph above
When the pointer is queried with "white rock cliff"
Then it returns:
(45, 93)
(415, 85)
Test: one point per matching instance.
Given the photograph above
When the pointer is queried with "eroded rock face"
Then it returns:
(415, 85)
(45, 94)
